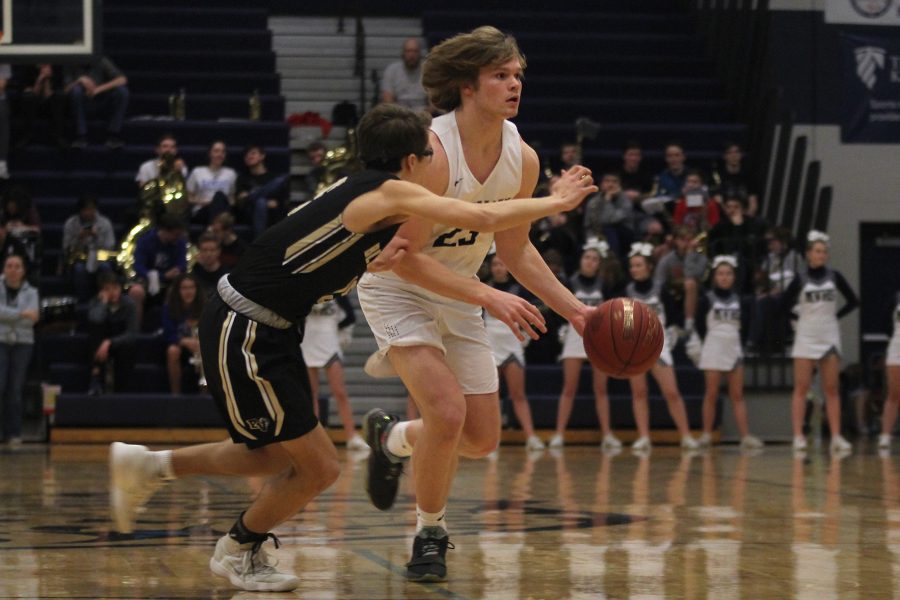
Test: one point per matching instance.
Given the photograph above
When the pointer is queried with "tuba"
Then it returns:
(165, 193)
(339, 162)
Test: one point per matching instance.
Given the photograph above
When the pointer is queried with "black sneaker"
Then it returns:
(428, 561)
(384, 471)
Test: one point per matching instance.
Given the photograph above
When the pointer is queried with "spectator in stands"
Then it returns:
(402, 80)
(695, 208)
(160, 255)
(261, 194)
(18, 314)
(556, 232)
(315, 154)
(5, 74)
(10, 245)
(680, 271)
(42, 95)
(231, 246)
(100, 87)
(670, 182)
(166, 146)
(733, 179)
(740, 235)
(85, 234)
(569, 156)
(768, 326)
(608, 215)
(208, 268)
(180, 317)
(211, 188)
(19, 211)
(112, 324)
(636, 182)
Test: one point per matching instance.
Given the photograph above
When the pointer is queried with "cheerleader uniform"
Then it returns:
(321, 344)
(650, 292)
(813, 294)
(505, 346)
(720, 330)
(588, 290)
(893, 352)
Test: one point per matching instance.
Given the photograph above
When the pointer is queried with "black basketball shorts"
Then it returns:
(256, 375)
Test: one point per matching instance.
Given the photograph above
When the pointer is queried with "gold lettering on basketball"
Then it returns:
(628, 321)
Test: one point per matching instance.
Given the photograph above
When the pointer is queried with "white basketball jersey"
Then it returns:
(463, 251)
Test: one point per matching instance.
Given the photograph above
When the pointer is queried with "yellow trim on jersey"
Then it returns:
(273, 406)
(230, 402)
(298, 247)
(328, 255)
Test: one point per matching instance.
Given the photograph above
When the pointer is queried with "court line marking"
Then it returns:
(388, 565)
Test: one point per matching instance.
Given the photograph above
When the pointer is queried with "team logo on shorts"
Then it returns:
(259, 424)
(871, 9)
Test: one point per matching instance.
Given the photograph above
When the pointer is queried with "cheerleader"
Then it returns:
(324, 335)
(721, 352)
(508, 354)
(892, 366)
(587, 286)
(817, 341)
(645, 289)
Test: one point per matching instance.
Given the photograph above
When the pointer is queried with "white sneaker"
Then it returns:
(689, 443)
(642, 444)
(799, 443)
(751, 442)
(705, 440)
(356, 443)
(839, 444)
(248, 567)
(133, 477)
(611, 442)
(884, 441)
(557, 441)
(534, 443)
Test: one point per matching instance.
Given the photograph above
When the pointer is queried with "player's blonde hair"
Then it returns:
(457, 61)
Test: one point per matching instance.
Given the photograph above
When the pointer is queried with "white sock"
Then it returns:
(396, 442)
(164, 463)
(427, 519)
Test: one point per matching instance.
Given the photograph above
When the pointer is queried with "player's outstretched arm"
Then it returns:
(398, 200)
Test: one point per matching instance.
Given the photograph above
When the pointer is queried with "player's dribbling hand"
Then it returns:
(580, 319)
(392, 254)
(517, 313)
(573, 186)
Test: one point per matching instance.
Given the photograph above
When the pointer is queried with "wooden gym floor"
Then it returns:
(569, 524)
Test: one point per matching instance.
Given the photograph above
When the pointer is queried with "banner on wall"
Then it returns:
(871, 84)
(863, 12)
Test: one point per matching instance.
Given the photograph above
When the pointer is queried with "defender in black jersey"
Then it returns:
(251, 346)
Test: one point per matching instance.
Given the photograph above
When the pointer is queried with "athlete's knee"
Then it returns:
(321, 474)
(480, 442)
(446, 419)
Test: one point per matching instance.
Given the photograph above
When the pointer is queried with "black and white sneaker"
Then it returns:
(383, 478)
(428, 562)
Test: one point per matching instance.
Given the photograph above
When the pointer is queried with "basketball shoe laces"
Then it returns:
(256, 560)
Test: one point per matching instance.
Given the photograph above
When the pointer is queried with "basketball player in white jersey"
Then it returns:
(892, 367)
(436, 342)
(817, 342)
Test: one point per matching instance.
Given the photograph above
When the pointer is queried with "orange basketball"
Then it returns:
(623, 337)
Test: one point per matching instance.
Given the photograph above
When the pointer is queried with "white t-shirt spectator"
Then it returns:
(149, 170)
(203, 184)
(405, 85)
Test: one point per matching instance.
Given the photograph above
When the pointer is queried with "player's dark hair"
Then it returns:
(389, 133)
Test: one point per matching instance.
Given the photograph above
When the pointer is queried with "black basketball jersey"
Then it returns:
(310, 257)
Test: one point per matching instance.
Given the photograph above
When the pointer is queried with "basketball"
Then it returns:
(623, 337)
